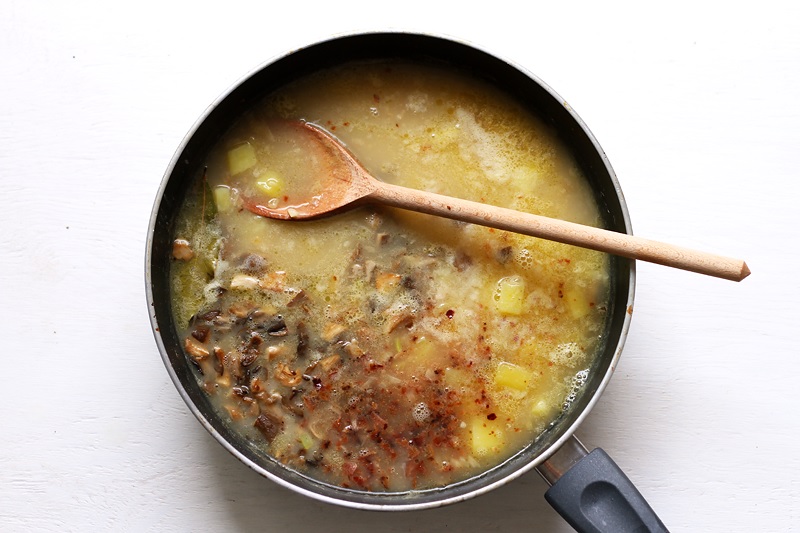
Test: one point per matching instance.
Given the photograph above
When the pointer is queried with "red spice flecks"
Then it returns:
(414, 468)
(491, 416)
(450, 313)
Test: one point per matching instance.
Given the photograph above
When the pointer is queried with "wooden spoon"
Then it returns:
(348, 184)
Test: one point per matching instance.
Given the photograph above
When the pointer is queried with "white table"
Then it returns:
(697, 108)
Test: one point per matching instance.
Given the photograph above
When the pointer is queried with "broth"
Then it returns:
(379, 349)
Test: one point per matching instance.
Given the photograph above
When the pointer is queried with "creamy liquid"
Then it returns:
(380, 349)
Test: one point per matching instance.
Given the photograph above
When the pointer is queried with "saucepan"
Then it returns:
(588, 489)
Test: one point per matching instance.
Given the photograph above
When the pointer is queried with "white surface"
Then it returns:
(697, 108)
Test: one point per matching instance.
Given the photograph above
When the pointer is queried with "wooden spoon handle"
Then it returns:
(603, 240)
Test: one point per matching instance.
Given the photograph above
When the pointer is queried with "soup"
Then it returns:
(378, 349)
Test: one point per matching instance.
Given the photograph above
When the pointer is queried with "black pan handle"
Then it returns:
(593, 494)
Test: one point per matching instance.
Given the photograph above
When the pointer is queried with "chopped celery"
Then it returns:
(209, 207)
(241, 158)
(306, 440)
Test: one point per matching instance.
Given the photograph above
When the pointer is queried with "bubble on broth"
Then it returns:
(524, 257)
(421, 413)
(578, 381)
(563, 353)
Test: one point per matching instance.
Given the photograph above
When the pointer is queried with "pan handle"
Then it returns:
(593, 494)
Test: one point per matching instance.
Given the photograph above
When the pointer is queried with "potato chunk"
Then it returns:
(511, 376)
(241, 158)
(222, 198)
(544, 409)
(509, 296)
(270, 183)
(487, 436)
(577, 302)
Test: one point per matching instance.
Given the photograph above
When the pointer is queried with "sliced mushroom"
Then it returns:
(287, 376)
(269, 425)
(182, 250)
(195, 349)
(332, 331)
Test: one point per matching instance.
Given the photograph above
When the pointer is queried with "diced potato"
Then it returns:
(512, 376)
(418, 357)
(531, 352)
(577, 302)
(543, 409)
(222, 197)
(509, 296)
(241, 158)
(270, 183)
(487, 437)
(457, 378)
(425, 349)
(529, 177)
